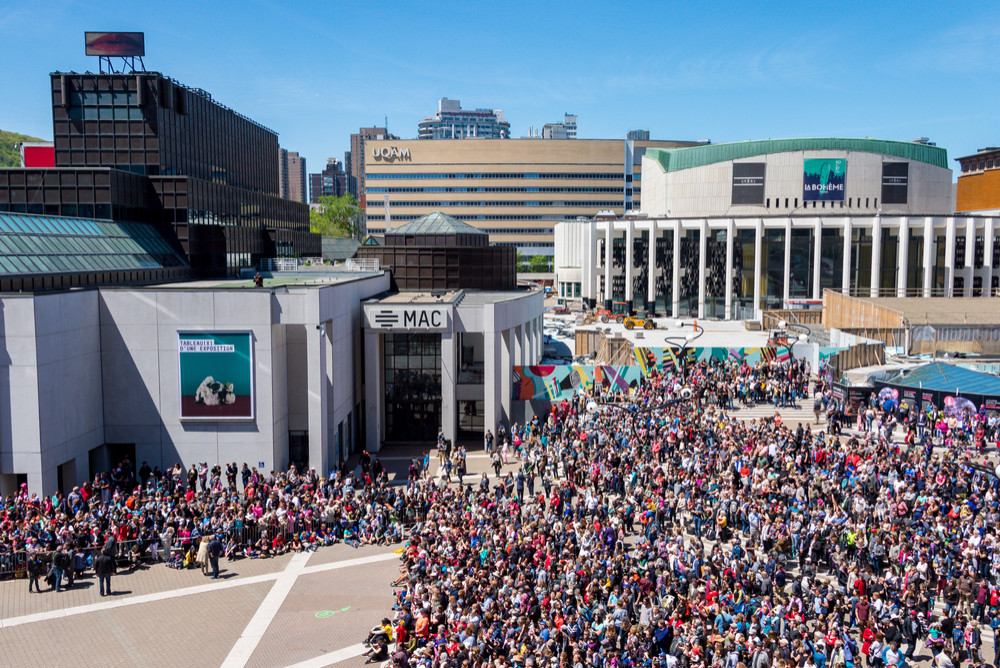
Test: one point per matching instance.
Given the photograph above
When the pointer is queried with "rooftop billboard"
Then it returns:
(115, 43)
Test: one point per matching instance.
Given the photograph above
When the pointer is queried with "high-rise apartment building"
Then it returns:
(564, 130)
(356, 165)
(453, 122)
(292, 172)
(331, 182)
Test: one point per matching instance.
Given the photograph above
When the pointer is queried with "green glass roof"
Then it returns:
(31, 244)
(436, 223)
(676, 159)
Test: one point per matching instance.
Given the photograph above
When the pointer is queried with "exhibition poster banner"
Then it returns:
(824, 179)
(216, 375)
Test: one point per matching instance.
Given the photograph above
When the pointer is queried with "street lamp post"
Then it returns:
(788, 342)
(685, 341)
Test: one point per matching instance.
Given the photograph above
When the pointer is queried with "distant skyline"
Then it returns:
(316, 72)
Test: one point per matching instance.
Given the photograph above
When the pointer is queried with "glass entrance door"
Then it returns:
(412, 386)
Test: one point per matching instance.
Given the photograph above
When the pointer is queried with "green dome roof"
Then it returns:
(435, 223)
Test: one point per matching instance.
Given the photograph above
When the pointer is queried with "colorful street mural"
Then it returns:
(555, 383)
(558, 382)
(668, 358)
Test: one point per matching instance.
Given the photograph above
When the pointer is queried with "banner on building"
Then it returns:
(558, 382)
(748, 182)
(216, 375)
(954, 404)
(895, 181)
(824, 179)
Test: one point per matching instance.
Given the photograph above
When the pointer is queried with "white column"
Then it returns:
(817, 292)
(970, 255)
(786, 273)
(846, 288)
(493, 373)
(989, 236)
(757, 248)
(929, 256)
(676, 292)
(651, 265)
(506, 373)
(536, 342)
(529, 341)
(876, 255)
(702, 265)
(629, 260)
(730, 232)
(374, 391)
(318, 396)
(588, 272)
(449, 385)
(608, 261)
(515, 345)
(949, 258)
(903, 256)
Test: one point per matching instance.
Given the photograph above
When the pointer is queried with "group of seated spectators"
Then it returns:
(666, 532)
(153, 516)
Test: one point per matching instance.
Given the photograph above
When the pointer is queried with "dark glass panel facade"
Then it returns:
(831, 272)
(412, 365)
(800, 273)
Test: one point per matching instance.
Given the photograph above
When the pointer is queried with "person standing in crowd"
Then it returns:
(215, 550)
(104, 568)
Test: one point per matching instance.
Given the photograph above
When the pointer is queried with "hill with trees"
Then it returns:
(9, 155)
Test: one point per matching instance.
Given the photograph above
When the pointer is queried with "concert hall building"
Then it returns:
(729, 230)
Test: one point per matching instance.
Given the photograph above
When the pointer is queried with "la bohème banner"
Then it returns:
(824, 179)
(216, 375)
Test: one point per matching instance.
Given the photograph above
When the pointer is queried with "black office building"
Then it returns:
(142, 148)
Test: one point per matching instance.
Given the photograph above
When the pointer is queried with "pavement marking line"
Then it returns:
(134, 600)
(360, 561)
(187, 591)
(255, 629)
(331, 658)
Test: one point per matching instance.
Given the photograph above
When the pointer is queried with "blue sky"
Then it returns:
(316, 71)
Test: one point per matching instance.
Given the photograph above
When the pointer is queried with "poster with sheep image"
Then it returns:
(216, 375)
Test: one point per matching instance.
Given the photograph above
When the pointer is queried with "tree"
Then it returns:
(336, 217)
(540, 264)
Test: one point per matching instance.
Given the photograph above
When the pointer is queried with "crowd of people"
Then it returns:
(651, 528)
(655, 529)
(136, 517)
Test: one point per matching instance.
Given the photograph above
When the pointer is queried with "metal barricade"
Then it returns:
(13, 565)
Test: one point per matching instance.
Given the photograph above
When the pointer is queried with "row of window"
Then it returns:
(48, 263)
(414, 216)
(978, 166)
(500, 175)
(795, 203)
(33, 225)
(107, 99)
(611, 189)
(461, 203)
(104, 113)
